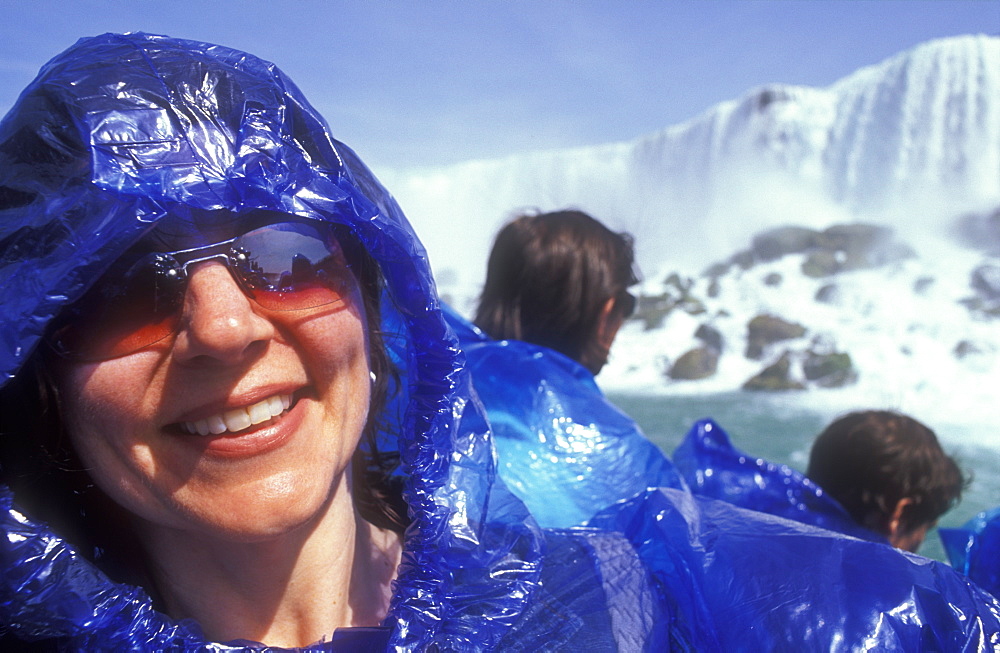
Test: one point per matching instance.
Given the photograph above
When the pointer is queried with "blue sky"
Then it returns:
(413, 83)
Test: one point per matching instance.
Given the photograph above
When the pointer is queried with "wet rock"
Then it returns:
(775, 243)
(966, 348)
(710, 336)
(697, 363)
(832, 370)
(765, 330)
(744, 260)
(986, 281)
(979, 230)
(865, 246)
(713, 288)
(858, 246)
(773, 279)
(775, 377)
(716, 270)
(828, 294)
(822, 263)
(652, 310)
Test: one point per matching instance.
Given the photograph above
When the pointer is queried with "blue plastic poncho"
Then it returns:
(714, 468)
(120, 131)
(562, 447)
(974, 549)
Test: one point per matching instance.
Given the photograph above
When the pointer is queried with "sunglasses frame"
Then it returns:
(172, 267)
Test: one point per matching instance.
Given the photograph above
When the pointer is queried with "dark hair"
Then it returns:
(869, 460)
(548, 277)
(51, 484)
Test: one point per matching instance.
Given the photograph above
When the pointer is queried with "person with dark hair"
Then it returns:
(556, 293)
(231, 409)
(874, 474)
(889, 472)
(233, 417)
(559, 280)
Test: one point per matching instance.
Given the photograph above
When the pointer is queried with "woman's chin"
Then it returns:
(264, 510)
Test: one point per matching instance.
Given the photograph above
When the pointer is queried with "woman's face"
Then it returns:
(289, 392)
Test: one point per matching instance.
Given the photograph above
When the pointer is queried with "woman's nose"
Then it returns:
(219, 322)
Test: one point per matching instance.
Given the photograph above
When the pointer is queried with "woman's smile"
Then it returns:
(248, 430)
(240, 419)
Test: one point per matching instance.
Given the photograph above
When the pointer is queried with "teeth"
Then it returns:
(240, 419)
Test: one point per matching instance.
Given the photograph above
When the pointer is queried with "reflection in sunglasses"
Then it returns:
(282, 267)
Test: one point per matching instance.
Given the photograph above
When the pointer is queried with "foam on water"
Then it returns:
(902, 340)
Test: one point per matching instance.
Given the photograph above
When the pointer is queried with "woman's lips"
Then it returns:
(247, 437)
(239, 419)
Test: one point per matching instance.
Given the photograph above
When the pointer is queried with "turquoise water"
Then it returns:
(781, 429)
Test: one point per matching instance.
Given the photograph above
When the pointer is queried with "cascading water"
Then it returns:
(911, 143)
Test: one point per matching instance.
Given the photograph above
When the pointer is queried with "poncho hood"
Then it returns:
(120, 131)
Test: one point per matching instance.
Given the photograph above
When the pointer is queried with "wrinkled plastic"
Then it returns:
(562, 447)
(114, 134)
(739, 580)
(120, 131)
(714, 468)
(974, 549)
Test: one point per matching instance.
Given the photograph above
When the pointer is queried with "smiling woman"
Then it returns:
(233, 411)
(209, 366)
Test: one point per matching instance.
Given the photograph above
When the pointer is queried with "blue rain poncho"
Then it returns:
(974, 549)
(562, 447)
(121, 131)
(714, 468)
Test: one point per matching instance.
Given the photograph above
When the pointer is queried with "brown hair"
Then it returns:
(548, 277)
(869, 460)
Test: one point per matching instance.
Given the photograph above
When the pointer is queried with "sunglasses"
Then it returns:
(626, 303)
(286, 266)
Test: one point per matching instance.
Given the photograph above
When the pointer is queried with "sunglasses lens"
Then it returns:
(116, 319)
(292, 266)
(283, 267)
(628, 303)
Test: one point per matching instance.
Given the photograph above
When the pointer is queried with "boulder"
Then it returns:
(822, 263)
(710, 336)
(864, 246)
(833, 370)
(775, 243)
(652, 310)
(979, 230)
(775, 377)
(854, 237)
(697, 363)
(716, 270)
(713, 288)
(744, 260)
(765, 330)
(986, 281)
(828, 294)
(773, 279)
(967, 348)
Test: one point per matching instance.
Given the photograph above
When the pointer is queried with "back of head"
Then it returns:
(870, 461)
(549, 276)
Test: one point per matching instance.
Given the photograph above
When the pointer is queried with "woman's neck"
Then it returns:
(287, 591)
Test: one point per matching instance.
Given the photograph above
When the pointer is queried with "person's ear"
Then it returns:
(894, 527)
(608, 324)
(904, 534)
